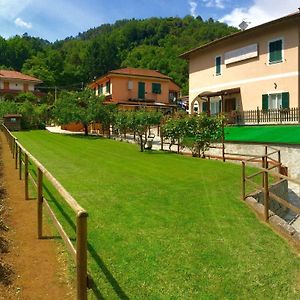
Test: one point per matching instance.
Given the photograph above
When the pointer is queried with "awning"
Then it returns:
(220, 93)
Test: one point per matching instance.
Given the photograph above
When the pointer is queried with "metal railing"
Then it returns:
(79, 253)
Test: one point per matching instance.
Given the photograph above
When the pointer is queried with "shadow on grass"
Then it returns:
(109, 276)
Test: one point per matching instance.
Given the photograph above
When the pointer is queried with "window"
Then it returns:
(156, 88)
(275, 101)
(100, 89)
(218, 65)
(275, 51)
(108, 87)
(215, 107)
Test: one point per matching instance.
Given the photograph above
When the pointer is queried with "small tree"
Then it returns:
(201, 131)
(80, 107)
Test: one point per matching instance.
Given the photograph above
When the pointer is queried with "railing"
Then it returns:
(268, 164)
(22, 158)
(258, 116)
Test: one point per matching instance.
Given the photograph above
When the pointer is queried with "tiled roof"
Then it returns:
(139, 72)
(173, 86)
(6, 74)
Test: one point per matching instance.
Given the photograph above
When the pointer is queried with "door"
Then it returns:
(230, 105)
(6, 85)
(141, 91)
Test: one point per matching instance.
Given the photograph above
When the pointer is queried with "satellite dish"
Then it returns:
(244, 25)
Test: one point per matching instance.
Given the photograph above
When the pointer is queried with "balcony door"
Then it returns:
(141, 90)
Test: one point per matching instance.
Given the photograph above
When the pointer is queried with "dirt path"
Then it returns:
(37, 271)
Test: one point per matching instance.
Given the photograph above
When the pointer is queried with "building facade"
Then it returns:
(257, 68)
(132, 88)
(13, 83)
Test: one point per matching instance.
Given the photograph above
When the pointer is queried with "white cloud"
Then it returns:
(261, 11)
(193, 7)
(21, 23)
(214, 3)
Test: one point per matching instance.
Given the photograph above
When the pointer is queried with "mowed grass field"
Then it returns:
(282, 134)
(165, 226)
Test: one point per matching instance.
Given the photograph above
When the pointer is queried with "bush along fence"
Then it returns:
(79, 253)
(258, 116)
(264, 176)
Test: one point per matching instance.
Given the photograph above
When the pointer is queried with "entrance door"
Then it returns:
(6, 85)
(141, 91)
(230, 105)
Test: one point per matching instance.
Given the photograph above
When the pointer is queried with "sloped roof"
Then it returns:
(173, 86)
(290, 17)
(140, 72)
(7, 74)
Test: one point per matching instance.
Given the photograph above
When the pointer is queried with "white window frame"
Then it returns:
(215, 69)
(278, 105)
(268, 49)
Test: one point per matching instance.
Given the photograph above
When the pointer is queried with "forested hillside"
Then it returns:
(153, 43)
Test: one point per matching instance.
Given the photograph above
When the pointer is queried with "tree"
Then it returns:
(83, 107)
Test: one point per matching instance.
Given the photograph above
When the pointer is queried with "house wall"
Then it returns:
(120, 91)
(17, 85)
(254, 76)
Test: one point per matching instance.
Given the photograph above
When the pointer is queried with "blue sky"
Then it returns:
(57, 19)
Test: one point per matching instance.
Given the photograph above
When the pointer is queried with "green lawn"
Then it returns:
(166, 226)
(264, 134)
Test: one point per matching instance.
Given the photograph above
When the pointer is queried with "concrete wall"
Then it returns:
(290, 154)
(255, 76)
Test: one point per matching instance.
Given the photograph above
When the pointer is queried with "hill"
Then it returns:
(153, 43)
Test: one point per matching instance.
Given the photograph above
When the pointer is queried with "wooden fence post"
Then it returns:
(279, 161)
(266, 190)
(16, 155)
(243, 180)
(20, 163)
(161, 140)
(40, 203)
(26, 177)
(81, 255)
(257, 115)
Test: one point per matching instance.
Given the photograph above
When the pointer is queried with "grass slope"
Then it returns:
(264, 134)
(165, 226)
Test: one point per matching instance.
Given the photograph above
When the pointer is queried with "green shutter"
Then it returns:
(204, 106)
(218, 65)
(265, 101)
(156, 88)
(220, 106)
(141, 90)
(275, 51)
(285, 100)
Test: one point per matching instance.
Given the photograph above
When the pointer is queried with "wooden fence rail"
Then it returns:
(79, 253)
(265, 171)
(257, 116)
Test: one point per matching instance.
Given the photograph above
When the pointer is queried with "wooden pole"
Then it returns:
(161, 140)
(16, 155)
(279, 161)
(223, 138)
(40, 203)
(266, 190)
(243, 180)
(26, 177)
(20, 163)
(81, 255)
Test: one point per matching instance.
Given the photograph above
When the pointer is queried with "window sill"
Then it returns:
(275, 62)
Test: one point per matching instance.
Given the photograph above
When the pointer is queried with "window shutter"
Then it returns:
(220, 106)
(265, 101)
(218, 65)
(285, 100)
(204, 106)
(275, 51)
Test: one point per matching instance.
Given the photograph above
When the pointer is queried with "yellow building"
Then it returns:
(254, 68)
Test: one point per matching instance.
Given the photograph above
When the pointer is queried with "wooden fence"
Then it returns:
(22, 159)
(268, 164)
(259, 116)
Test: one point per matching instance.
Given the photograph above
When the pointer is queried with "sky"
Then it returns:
(57, 19)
